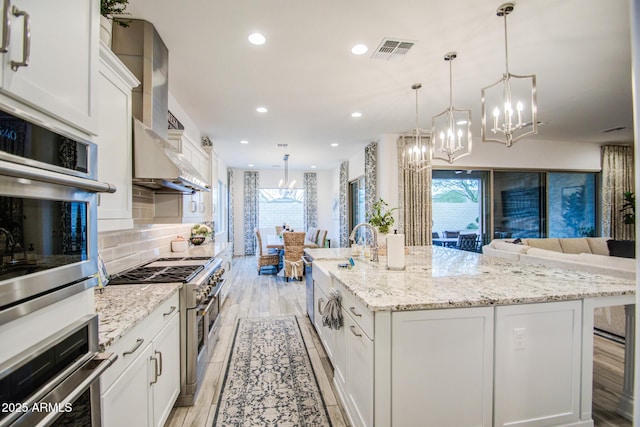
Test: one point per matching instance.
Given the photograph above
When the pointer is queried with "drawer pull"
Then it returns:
(159, 353)
(353, 331)
(6, 26)
(353, 311)
(173, 308)
(26, 42)
(320, 301)
(155, 370)
(139, 342)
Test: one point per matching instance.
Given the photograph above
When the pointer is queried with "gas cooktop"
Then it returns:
(163, 270)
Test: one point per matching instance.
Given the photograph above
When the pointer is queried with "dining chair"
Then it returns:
(435, 235)
(293, 251)
(467, 242)
(265, 259)
(451, 234)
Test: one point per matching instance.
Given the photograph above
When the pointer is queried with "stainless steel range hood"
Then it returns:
(156, 163)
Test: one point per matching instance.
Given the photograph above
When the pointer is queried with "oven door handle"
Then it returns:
(20, 171)
(70, 389)
(203, 312)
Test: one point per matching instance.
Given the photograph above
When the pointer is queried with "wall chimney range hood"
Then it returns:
(156, 163)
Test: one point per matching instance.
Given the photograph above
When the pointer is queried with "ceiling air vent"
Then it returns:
(390, 49)
(282, 145)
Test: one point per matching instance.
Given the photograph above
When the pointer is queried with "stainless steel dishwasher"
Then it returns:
(308, 273)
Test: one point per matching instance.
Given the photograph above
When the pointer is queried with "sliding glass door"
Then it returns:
(519, 204)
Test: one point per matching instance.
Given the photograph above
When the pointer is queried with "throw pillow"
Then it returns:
(622, 248)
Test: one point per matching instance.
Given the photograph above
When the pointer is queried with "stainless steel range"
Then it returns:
(199, 311)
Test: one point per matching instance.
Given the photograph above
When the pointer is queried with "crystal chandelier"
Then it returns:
(500, 121)
(416, 155)
(451, 129)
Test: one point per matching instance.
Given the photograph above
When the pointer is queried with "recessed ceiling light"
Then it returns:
(356, 114)
(313, 166)
(257, 39)
(359, 49)
(244, 141)
(250, 165)
(461, 122)
(261, 110)
(335, 144)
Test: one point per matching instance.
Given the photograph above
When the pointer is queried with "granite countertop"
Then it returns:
(121, 307)
(437, 277)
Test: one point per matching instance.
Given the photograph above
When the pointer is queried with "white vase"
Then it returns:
(106, 26)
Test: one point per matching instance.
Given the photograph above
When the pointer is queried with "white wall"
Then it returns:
(270, 179)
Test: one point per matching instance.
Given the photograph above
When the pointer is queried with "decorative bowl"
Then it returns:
(197, 240)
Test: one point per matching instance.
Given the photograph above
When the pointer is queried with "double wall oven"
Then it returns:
(48, 254)
(203, 279)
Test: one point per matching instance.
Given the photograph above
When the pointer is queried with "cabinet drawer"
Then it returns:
(323, 280)
(358, 311)
(130, 343)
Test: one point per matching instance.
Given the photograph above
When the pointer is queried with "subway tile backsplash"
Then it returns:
(124, 249)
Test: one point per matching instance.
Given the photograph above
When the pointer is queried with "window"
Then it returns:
(572, 204)
(278, 207)
(518, 204)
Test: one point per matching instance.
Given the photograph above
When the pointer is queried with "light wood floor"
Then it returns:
(267, 295)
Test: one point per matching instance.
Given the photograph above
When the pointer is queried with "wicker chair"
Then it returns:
(265, 259)
(293, 251)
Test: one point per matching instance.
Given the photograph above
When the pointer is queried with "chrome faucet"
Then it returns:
(9, 240)
(374, 238)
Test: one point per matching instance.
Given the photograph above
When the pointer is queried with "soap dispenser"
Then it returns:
(395, 251)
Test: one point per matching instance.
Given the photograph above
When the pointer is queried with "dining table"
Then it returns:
(276, 242)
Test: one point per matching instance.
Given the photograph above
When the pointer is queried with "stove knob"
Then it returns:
(198, 298)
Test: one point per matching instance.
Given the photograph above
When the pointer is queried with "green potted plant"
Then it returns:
(381, 216)
(629, 208)
(199, 234)
(109, 10)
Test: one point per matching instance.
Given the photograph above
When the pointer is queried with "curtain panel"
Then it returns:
(617, 178)
(414, 199)
(230, 217)
(344, 212)
(370, 175)
(251, 190)
(310, 186)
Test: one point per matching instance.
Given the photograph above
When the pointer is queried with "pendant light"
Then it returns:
(451, 129)
(416, 155)
(509, 108)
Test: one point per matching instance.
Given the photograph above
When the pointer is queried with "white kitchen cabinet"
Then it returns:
(128, 401)
(165, 371)
(142, 385)
(62, 72)
(227, 262)
(538, 350)
(114, 141)
(358, 352)
(439, 357)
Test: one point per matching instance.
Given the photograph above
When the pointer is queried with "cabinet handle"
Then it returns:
(139, 342)
(155, 370)
(173, 308)
(26, 42)
(194, 206)
(353, 311)
(201, 206)
(353, 331)
(320, 301)
(6, 26)
(159, 353)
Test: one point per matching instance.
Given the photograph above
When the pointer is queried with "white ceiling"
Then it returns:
(307, 77)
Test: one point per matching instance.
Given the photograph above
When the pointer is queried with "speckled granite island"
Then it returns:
(462, 339)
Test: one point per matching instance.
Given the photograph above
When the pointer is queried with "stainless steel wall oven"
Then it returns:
(55, 382)
(48, 208)
(48, 265)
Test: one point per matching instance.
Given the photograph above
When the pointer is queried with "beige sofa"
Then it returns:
(589, 254)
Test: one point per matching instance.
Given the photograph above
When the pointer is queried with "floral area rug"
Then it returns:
(269, 380)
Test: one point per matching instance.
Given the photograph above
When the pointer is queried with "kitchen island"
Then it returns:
(462, 339)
